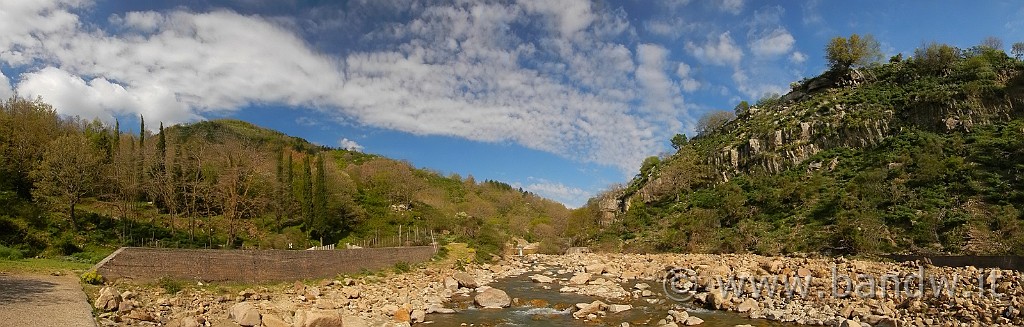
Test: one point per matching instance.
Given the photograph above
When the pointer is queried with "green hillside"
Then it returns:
(72, 187)
(917, 155)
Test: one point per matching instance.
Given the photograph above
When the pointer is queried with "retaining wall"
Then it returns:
(148, 264)
(996, 261)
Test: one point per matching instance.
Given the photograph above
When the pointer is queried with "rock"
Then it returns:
(351, 292)
(580, 279)
(318, 319)
(244, 314)
(354, 321)
(715, 299)
(693, 321)
(192, 322)
(109, 299)
(274, 321)
(848, 323)
(493, 298)
(312, 292)
(146, 316)
(803, 272)
(596, 269)
(127, 295)
(125, 306)
(466, 280)
(586, 309)
(747, 305)
(418, 315)
(402, 314)
(541, 279)
(679, 316)
(616, 308)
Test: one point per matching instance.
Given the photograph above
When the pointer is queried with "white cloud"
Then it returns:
(797, 57)
(5, 87)
(734, 7)
(459, 70)
(720, 50)
(754, 90)
(689, 83)
(671, 28)
(568, 16)
(572, 197)
(775, 43)
(350, 145)
(661, 95)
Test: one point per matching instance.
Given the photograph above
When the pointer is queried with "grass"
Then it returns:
(43, 265)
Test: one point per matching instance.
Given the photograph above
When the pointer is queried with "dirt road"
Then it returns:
(42, 300)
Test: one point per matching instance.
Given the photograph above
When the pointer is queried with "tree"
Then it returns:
(320, 217)
(713, 120)
(678, 141)
(1017, 50)
(843, 53)
(936, 57)
(992, 42)
(742, 108)
(66, 173)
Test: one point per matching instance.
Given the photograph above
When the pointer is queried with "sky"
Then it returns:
(562, 98)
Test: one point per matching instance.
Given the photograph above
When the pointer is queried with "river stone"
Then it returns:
(109, 299)
(679, 316)
(580, 279)
(493, 298)
(317, 319)
(541, 279)
(747, 305)
(586, 309)
(244, 314)
(418, 315)
(451, 284)
(466, 280)
(350, 292)
(274, 321)
(693, 321)
(616, 308)
(595, 268)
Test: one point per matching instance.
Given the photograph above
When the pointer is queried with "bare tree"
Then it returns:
(992, 42)
(713, 120)
(239, 183)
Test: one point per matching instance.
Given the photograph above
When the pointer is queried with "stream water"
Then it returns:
(533, 305)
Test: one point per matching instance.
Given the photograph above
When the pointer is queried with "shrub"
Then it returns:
(172, 286)
(402, 267)
(7, 253)
(92, 277)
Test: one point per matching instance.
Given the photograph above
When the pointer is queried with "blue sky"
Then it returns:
(562, 98)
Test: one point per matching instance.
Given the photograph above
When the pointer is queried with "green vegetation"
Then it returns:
(170, 285)
(919, 155)
(78, 190)
(92, 277)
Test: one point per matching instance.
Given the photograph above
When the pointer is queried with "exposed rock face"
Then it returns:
(493, 298)
(245, 314)
(109, 299)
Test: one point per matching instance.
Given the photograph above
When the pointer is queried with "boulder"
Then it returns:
(586, 309)
(595, 268)
(541, 279)
(466, 280)
(274, 321)
(493, 298)
(350, 292)
(616, 308)
(679, 316)
(451, 284)
(692, 321)
(317, 319)
(580, 279)
(109, 299)
(747, 305)
(418, 315)
(245, 314)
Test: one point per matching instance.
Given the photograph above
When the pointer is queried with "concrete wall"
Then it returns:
(996, 261)
(146, 264)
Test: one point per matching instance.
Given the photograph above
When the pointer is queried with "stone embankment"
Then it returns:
(407, 298)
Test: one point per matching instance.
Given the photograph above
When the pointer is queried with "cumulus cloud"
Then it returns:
(718, 50)
(460, 70)
(670, 28)
(689, 83)
(734, 7)
(350, 145)
(774, 43)
(572, 197)
(5, 87)
(797, 57)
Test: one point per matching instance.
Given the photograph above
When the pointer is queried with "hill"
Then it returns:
(74, 187)
(919, 155)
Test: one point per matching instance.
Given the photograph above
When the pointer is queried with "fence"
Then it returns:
(402, 236)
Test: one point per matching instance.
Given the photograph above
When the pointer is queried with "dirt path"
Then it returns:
(41, 300)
